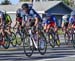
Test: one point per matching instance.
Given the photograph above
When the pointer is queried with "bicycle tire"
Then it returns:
(42, 39)
(7, 42)
(18, 38)
(28, 54)
(13, 41)
(66, 38)
(73, 39)
(57, 40)
(51, 40)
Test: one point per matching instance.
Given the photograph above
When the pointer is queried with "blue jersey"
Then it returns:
(25, 16)
(71, 20)
(51, 19)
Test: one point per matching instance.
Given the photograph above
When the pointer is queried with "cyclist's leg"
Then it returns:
(48, 27)
(45, 27)
(7, 30)
(3, 41)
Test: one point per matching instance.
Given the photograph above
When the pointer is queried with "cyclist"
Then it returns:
(65, 22)
(72, 19)
(23, 16)
(7, 23)
(50, 21)
(18, 19)
(23, 13)
(1, 28)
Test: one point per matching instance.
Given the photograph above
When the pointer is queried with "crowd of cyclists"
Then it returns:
(27, 17)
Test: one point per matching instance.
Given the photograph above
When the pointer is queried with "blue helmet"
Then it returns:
(73, 13)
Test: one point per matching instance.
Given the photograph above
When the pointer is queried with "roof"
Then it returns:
(43, 6)
(38, 6)
(11, 8)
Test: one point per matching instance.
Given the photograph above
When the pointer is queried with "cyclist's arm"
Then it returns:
(1, 22)
(36, 21)
(35, 16)
(16, 23)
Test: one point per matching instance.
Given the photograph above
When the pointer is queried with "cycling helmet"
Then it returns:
(65, 17)
(73, 13)
(25, 5)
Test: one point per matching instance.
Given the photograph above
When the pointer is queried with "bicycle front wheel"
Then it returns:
(19, 38)
(73, 39)
(13, 41)
(28, 46)
(7, 42)
(51, 40)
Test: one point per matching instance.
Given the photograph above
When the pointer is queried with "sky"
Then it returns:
(12, 1)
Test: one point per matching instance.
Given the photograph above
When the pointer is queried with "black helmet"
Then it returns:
(25, 5)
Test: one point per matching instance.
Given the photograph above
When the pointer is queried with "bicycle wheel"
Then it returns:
(7, 42)
(13, 40)
(51, 40)
(73, 39)
(18, 38)
(57, 39)
(1, 37)
(66, 37)
(42, 44)
(28, 46)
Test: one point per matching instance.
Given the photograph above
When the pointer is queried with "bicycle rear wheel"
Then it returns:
(42, 44)
(28, 46)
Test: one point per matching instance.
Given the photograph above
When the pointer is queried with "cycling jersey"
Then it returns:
(7, 18)
(25, 16)
(50, 20)
(2, 19)
(71, 20)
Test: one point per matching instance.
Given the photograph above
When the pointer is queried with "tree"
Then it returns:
(68, 2)
(6, 2)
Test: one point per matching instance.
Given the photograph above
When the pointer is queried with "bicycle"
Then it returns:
(29, 41)
(73, 36)
(68, 36)
(52, 37)
(8, 39)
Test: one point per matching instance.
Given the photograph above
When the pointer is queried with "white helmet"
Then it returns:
(65, 17)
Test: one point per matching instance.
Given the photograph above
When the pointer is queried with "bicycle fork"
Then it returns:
(35, 44)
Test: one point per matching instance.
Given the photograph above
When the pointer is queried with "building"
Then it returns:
(56, 8)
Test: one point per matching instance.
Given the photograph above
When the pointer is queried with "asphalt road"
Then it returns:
(62, 53)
